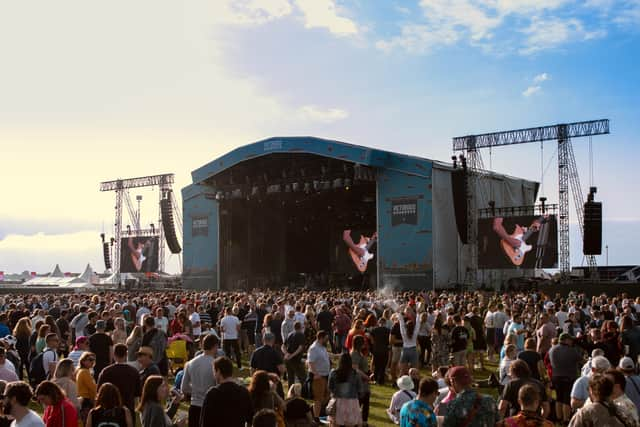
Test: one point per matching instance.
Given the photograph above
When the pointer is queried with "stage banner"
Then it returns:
(518, 242)
(404, 211)
(200, 226)
(139, 254)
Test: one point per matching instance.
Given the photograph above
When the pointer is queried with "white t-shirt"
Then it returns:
(195, 318)
(30, 420)
(229, 327)
(162, 323)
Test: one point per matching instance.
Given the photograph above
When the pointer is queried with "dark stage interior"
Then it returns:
(282, 218)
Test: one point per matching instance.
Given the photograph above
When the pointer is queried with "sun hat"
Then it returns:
(405, 383)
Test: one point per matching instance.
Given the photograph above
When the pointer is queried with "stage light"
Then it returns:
(325, 185)
(128, 229)
(236, 194)
(255, 191)
(455, 162)
(307, 187)
(295, 186)
(274, 188)
(316, 185)
(287, 188)
(337, 183)
(102, 237)
(219, 195)
(153, 228)
(347, 183)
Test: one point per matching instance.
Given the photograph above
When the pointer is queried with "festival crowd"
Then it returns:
(299, 358)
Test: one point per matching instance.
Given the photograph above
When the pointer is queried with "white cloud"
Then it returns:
(325, 14)
(316, 114)
(550, 33)
(446, 22)
(252, 11)
(541, 78)
(531, 90)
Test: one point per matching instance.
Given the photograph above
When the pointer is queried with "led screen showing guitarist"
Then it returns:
(519, 241)
(361, 254)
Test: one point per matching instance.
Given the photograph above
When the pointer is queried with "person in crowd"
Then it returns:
(7, 369)
(505, 363)
(564, 360)
(518, 329)
(226, 394)
(265, 418)
(5, 420)
(419, 412)
(601, 411)
(262, 390)
(293, 349)
(109, 410)
(439, 345)
(623, 404)
(529, 401)
(230, 327)
(469, 408)
(155, 339)
(119, 333)
(87, 387)
(124, 377)
(144, 356)
(632, 388)
(82, 345)
(520, 376)
(361, 366)
(134, 342)
(545, 334)
(22, 332)
(319, 363)
(459, 340)
(59, 411)
(198, 377)
(65, 378)
(17, 395)
(297, 412)
(379, 337)
(155, 392)
(409, 331)
(580, 389)
(395, 339)
(404, 394)
(345, 386)
(101, 345)
(533, 359)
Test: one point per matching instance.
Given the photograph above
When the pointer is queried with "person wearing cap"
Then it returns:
(632, 388)
(469, 408)
(419, 412)
(580, 390)
(144, 357)
(564, 359)
(199, 377)
(400, 397)
(101, 345)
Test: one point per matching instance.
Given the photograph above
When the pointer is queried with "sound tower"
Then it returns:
(592, 241)
(459, 190)
(168, 226)
(107, 257)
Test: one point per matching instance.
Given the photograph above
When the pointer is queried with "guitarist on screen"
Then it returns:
(515, 244)
(361, 255)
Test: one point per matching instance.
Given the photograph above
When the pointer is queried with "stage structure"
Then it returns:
(272, 213)
(568, 178)
(128, 243)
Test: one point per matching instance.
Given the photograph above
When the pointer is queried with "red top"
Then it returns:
(53, 415)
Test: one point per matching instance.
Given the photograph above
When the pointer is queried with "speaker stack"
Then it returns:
(459, 183)
(168, 225)
(592, 236)
(107, 257)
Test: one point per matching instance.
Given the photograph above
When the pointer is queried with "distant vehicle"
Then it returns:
(632, 275)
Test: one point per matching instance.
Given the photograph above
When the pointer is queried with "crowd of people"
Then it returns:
(298, 358)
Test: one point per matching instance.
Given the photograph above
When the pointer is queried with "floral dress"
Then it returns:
(439, 348)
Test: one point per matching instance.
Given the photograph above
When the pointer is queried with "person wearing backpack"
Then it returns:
(109, 411)
(42, 365)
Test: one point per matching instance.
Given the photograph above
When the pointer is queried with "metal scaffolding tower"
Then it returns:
(568, 178)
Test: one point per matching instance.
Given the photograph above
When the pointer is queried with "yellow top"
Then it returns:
(86, 385)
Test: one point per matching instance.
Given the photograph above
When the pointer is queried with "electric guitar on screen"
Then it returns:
(366, 243)
(517, 254)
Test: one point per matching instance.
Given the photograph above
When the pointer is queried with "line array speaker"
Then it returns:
(168, 226)
(107, 256)
(459, 190)
(592, 242)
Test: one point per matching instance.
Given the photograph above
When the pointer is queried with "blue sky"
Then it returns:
(91, 92)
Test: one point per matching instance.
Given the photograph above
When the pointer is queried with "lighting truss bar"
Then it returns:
(144, 181)
(144, 232)
(510, 211)
(521, 136)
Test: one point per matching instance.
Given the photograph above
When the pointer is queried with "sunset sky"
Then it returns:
(93, 91)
